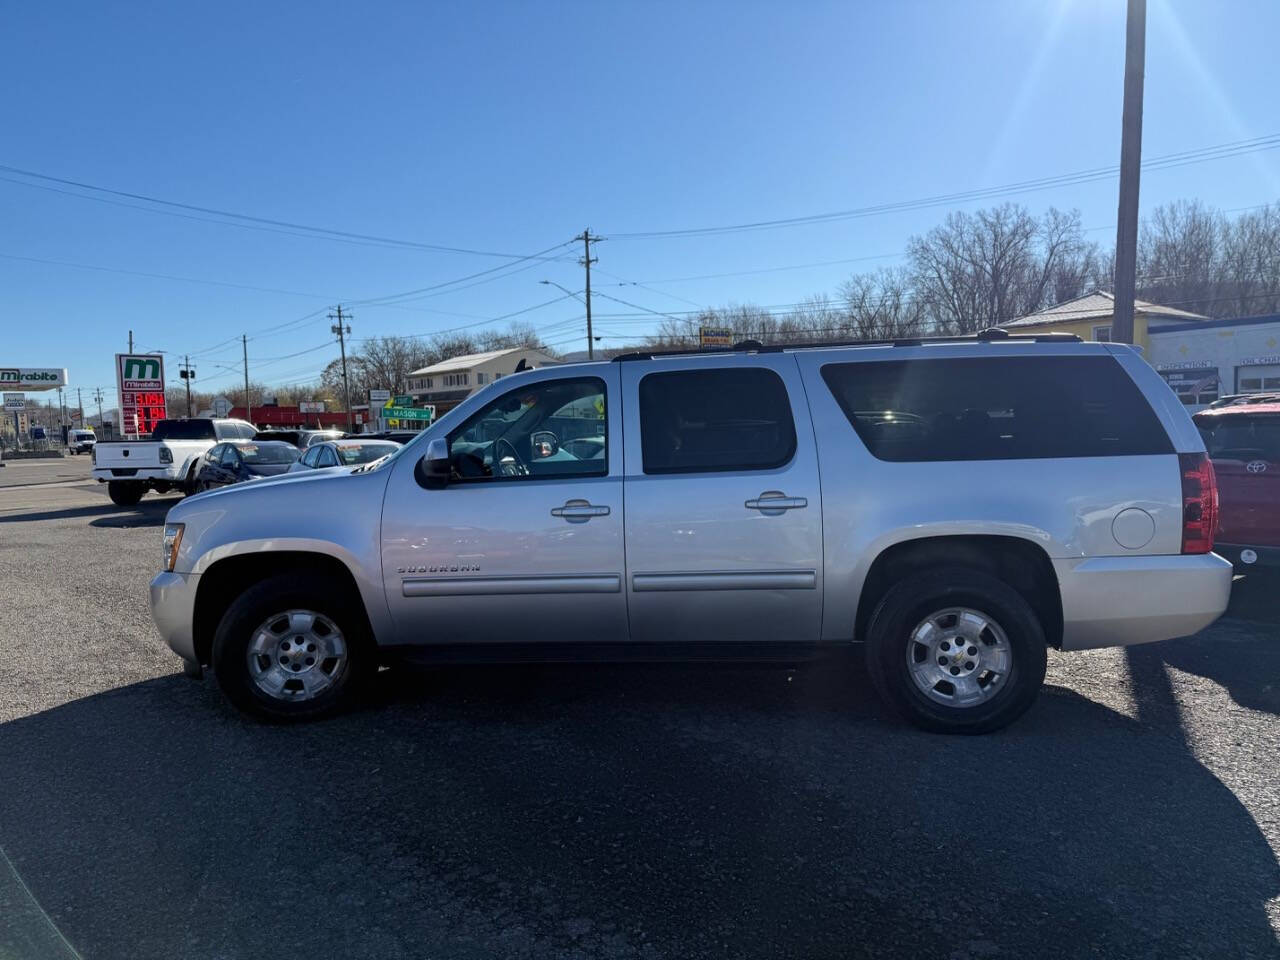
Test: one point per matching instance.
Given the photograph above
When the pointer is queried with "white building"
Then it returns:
(449, 382)
(1213, 358)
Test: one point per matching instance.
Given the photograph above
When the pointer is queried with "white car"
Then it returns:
(167, 460)
(81, 441)
(343, 453)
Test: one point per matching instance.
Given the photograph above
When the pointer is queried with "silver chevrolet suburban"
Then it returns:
(953, 506)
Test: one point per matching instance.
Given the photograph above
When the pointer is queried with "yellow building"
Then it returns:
(1089, 318)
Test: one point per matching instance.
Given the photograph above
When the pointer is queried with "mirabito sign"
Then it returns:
(32, 378)
(140, 384)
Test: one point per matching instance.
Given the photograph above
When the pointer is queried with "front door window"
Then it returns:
(545, 431)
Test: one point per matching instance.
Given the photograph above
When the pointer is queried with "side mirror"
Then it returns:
(433, 468)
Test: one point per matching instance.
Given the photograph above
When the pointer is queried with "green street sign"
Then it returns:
(402, 401)
(406, 413)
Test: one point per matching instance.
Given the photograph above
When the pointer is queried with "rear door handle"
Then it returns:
(579, 511)
(774, 502)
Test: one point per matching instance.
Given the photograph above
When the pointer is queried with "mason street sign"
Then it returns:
(408, 413)
(32, 378)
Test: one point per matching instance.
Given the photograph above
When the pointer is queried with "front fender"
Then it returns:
(337, 516)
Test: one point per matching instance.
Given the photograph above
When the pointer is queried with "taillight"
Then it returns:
(1199, 502)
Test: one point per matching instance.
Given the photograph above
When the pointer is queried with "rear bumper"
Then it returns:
(165, 474)
(1119, 601)
(173, 601)
(1262, 556)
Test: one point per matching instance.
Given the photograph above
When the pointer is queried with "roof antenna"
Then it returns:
(522, 365)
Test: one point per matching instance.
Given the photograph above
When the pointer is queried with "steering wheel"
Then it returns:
(521, 469)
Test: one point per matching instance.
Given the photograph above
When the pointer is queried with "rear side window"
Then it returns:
(694, 421)
(997, 408)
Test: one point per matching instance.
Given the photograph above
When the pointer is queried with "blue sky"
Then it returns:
(510, 127)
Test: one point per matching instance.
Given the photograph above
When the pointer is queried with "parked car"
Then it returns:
(1244, 444)
(239, 460)
(81, 441)
(955, 507)
(299, 438)
(1237, 399)
(164, 461)
(343, 453)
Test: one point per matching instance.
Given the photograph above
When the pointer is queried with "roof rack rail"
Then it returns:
(990, 335)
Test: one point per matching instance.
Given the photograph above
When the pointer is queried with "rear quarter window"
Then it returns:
(996, 408)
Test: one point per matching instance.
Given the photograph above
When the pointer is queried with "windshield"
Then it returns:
(184, 430)
(1235, 436)
(267, 453)
(352, 454)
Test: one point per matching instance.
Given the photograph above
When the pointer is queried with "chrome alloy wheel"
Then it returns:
(959, 657)
(296, 655)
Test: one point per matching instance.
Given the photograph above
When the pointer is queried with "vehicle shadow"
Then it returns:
(1241, 651)
(148, 513)
(674, 811)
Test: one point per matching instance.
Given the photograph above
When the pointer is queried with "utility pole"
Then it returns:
(587, 261)
(97, 395)
(343, 329)
(1125, 281)
(248, 404)
(131, 341)
(188, 373)
(80, 406)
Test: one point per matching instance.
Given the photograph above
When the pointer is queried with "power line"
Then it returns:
(417, 293)
(249, 218)
(1201, 155)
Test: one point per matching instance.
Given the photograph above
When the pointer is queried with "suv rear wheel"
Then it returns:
(290, 648)
(956, 650)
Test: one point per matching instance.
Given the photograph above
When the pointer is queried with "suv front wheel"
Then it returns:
(291, 648)
(956, 650)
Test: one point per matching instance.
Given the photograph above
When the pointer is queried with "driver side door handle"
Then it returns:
(579, 511)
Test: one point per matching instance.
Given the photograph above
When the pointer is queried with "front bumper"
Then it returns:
(173, 601)
(1119, 601)
(1262, 556)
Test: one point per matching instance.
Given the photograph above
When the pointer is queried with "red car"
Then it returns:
(1244, 444)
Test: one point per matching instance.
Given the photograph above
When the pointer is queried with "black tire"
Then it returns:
(255, 606)
(913, 599)
(189, 485)
(125, 493)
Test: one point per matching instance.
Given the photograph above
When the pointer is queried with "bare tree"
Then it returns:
(978, 270)
(1250, 266)
(882, 305)
(1179, 255)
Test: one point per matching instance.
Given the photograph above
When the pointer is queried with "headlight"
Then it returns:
(172, 540)
(166, 455)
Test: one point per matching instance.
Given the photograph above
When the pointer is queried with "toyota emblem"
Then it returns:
(1256, 466)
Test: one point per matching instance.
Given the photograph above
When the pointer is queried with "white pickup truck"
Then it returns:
(164, 461)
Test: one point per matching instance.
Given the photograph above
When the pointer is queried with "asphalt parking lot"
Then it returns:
(656, 812)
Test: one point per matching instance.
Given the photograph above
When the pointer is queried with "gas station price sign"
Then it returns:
(140, 380)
